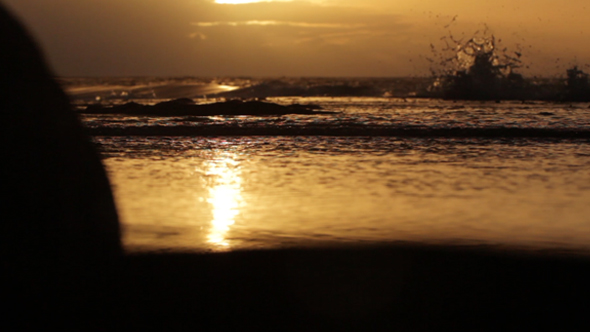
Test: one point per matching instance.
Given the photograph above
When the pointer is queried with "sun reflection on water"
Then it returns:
(224, 196)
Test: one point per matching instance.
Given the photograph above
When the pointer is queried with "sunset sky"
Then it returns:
(293, 38)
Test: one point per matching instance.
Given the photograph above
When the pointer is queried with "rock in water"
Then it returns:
(59, 223)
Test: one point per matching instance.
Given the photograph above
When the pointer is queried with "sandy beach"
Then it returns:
(399, 287)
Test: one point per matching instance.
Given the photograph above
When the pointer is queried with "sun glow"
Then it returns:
(224, 197)
(239, 2)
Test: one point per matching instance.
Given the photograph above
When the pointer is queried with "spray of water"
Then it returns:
(477, 68)
(577, 85)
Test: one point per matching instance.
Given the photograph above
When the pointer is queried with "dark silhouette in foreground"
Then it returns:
(59, 230)
(63, 268)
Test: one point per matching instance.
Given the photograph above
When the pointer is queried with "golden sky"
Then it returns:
(294, 38)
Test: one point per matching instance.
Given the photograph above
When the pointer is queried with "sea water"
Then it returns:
(246, 192)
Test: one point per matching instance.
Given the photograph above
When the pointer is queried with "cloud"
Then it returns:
(198, 35)
(299, 37)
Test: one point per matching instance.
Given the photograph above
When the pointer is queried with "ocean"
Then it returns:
(388, 168)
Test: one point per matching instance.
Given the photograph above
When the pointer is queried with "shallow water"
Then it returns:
(238, 192)
(382, 112)
(227, 193)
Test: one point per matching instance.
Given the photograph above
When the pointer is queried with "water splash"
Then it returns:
(577, 85)
(480, 68)
(476, 69)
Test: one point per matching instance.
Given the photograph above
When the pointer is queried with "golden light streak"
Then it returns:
(224, 197)
(228, 87)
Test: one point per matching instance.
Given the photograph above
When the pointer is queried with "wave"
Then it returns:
(311, 130)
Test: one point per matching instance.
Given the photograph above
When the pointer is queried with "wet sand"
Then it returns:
(399, 287)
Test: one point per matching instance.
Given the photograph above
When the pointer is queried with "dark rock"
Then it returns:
(184, 108)
(278, 88)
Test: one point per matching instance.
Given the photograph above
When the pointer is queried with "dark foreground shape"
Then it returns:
(63, 269)
(59, 227)
(185, 107)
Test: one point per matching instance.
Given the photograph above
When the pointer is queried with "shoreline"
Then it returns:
(534, 252)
